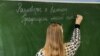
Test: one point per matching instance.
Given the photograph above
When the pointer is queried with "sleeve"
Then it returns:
(75, 40)
(39, 53)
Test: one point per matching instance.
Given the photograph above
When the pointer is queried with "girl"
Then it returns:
(54, 45)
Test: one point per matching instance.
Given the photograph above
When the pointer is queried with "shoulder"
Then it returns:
(40, 53)
(70, 49)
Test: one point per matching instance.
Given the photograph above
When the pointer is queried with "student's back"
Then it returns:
(54, 45)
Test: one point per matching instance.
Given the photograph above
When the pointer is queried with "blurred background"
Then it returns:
(23, 26)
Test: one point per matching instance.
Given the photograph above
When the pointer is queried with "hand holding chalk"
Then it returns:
(79, 19)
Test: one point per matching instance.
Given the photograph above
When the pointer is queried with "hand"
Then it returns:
(79, 19)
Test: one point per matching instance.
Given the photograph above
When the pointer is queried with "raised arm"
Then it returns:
(76, 32)
(75, 40)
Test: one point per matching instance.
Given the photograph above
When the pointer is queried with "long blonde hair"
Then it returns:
(54, 41)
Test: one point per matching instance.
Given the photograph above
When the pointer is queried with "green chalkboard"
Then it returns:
(23, 26)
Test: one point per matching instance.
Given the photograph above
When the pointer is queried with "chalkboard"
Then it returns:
(23, 26)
